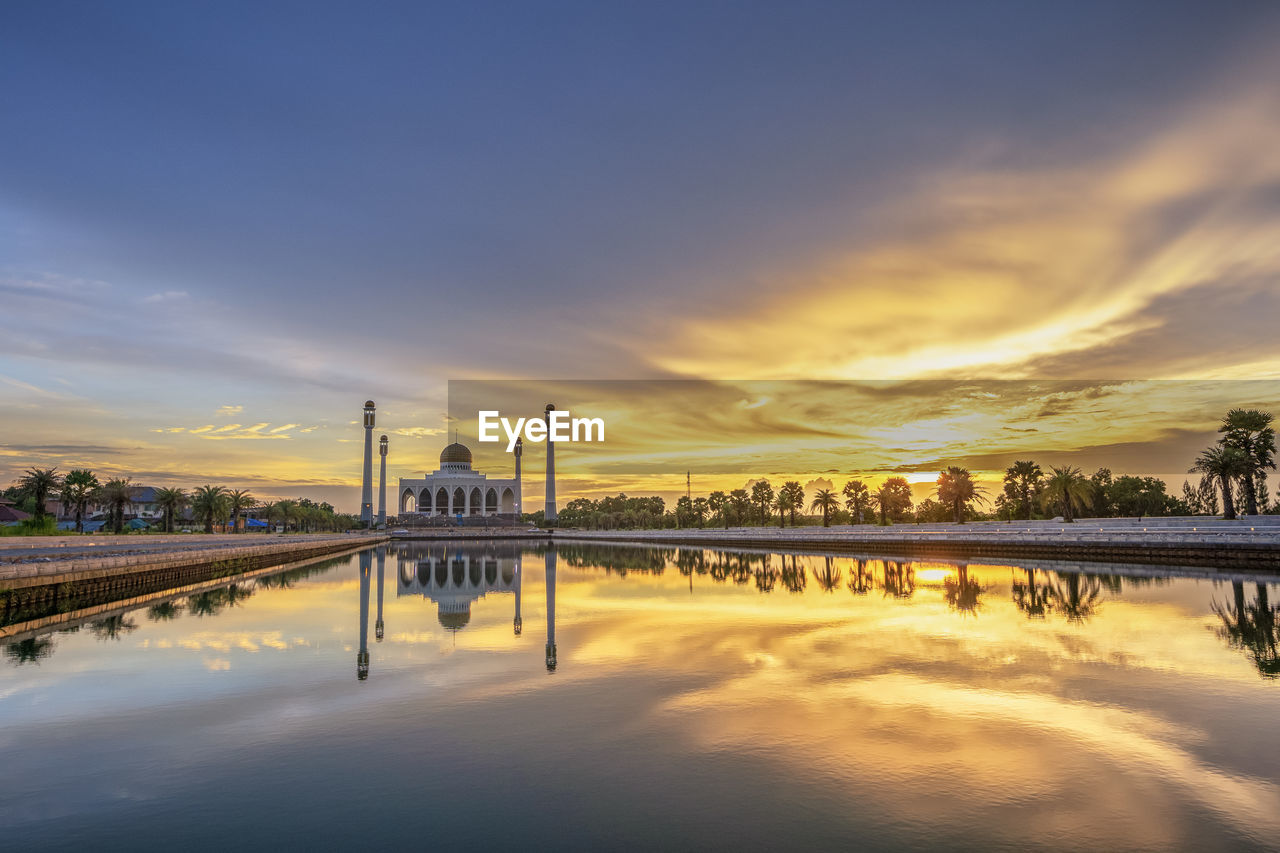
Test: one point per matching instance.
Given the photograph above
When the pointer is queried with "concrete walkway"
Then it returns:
(50, 559)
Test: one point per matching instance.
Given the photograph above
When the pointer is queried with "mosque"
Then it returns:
(456, 490)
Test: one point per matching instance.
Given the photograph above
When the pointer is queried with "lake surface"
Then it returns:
(653, 698)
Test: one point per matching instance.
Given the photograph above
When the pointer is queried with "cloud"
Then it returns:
(166, 296)
(228, 411)
(999, 268)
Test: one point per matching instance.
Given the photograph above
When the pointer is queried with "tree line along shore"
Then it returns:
(1233, 479)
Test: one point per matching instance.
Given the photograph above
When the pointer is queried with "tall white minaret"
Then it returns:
(550, 576)
(519, 451)
(366, 484)
(382, 565)
(362, 656)
(549, 513)
(382, 483)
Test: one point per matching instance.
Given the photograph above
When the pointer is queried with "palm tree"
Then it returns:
(286, 509)
(1225, 463)
(796, 491)
(783, 504)
(741, 502)
(209, 502)
(956, 488)
(268, 512)
(893, 497)
(719, 503)
(700, 509)
(1068, 488)
(77, 489)
(1024, 476)
(115, 495)
(826, 501)
(1250, 431)
(857, 499)
(39, 483)
(238, 501)
(762, 493)
(171, 501)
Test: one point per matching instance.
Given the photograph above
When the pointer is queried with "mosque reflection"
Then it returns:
(453, 577)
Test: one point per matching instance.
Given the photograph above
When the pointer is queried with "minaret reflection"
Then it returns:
(362, 656)
(518, 623)
(382, 565)
(551, 608)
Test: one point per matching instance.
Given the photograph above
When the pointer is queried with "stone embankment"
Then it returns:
(43, 574)
(1251, 544)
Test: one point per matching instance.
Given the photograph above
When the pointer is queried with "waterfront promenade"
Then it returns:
(1252, 543)
(27, 560)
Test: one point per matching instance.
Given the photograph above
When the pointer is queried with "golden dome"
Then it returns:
(455, 453)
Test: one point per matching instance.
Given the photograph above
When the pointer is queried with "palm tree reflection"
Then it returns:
(766, 574)
(794, 577)
(899, 579)
(1030, 597)
(1252, 628)
(962, 591)
(861, 579)
(112, 627)
(828, 577)
(30, 650)
(1075, 596)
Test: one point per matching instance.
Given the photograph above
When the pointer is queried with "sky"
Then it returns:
(223, 226)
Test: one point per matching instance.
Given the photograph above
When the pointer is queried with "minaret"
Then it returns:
(382, 483)
(551, 608)
(549, 514)
(519, 451)
(518, 624)
(362, 656)
(366, 484)
(382, 564)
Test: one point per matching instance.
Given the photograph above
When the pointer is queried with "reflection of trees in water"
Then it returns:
(766, 574)
(828, 577)
(214, 601)
(164, 611)
(1251, 628)
(793, 576)
(899, 579)
(112, 627)
(1075, 596)
(719, 568)
(962, 592)
(861, 579)
(30, 650)
(741, 570)
(617, 560)
(1030, 596)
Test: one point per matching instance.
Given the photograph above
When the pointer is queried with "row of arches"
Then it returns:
(459, 501)
(461, 572)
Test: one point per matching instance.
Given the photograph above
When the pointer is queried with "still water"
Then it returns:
(644, 698)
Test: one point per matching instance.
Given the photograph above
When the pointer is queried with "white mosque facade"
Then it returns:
(455, 490)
